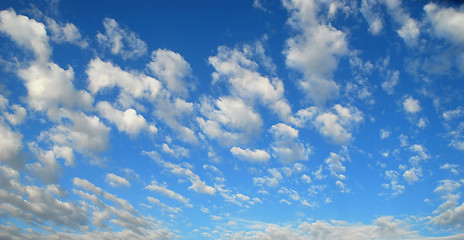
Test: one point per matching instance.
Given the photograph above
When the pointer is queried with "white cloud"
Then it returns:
(409, 30)
(26, 32)
(411, 105)
(48, 86)
(11, 146)
(172, 69)
(446, 22)
(335, 165)
(450, 167)
(163, 206)
(169, 193)
(337, 123)
(236, 67)
(256, 156)
(391, 81)
(18, 116)
(412, 175)
(197, 186)
(314, 51)
(65, 33)
(47, 169)
(385, 227)
(116, 181)
(373, 17)
(384, 133)
(128, 121)
(305, 178)
(240, 121)
(103, 75)
(393, 185)
(286, 146)
(176, 151)
(86, 134)
(121, 41)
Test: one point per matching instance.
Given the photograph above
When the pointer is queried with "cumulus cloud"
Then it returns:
(49, 85)
(106, 75)
(409, 30)
(154, 186)
(67, 32)
(172, 69)
(229, 120)
(11, 146)
(286, 146)
(128, 121)
(121, 41)
(197, 186)
(86, 134)
(445, 22)
(116, 181)
(334, 124)
(255, 156)
(315, 50)
(26, 32)
(373, 17)
(241, 72)
(411, 105)
(394, 185)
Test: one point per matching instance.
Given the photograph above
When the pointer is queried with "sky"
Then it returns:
(257, 119)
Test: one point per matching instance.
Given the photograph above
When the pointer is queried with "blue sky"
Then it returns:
(292, 119)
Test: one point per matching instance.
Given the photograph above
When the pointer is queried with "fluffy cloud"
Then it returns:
(132, 84)
(315, 50)
(411, 105)
(409, 30)
(78, 131)
(396, 188)
(169, 193)
(48, 86)
(286, 146)
(198, 185)
(445, 22)
(239, 120)
(128, 121)
(172, 69)
(373, 18)
(335, 123)
(116, 181)
(65, 33)
(335, 165)
(382, 228)
(11, 146)
(26, 32)
(256, 156)
(236, 67)
(121, 41)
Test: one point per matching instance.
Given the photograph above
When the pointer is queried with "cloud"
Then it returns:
(169, 193)
(392, 80)
(314, 51)
(26, 32)
(171, 68)
(256, 156)
(337, 122)
(245, 82)
(373, 17)
(11, 146)
(103, 75)
(121, 41)
(47, 169)
(163, 206)
(383, 227)
(335, 165)
(409, 30)
(411, 105)
(197, 186)
(393, 185)
(116, 181)
(128, 121)
(445, 22)
(86, 134)
(229, 120)
(286, 146)
(65, 33)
